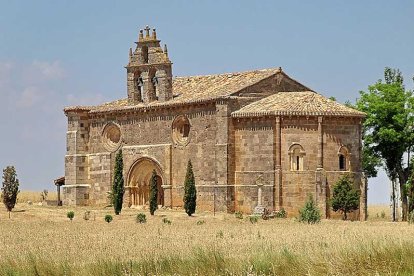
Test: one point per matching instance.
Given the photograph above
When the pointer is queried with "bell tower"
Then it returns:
(149, 70)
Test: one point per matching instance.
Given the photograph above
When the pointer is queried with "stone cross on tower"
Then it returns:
(149, 71)
(147, 30)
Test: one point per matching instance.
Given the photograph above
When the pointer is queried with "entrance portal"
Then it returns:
(139, 182)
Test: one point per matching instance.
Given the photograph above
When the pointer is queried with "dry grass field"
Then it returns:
(40, 240)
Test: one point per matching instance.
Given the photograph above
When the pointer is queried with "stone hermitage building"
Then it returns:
(256, 138)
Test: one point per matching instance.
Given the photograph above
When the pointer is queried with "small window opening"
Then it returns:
(140, 87)
(297, 162)
(155, 84)
(297, 154)
(145, 54)
(342, 162)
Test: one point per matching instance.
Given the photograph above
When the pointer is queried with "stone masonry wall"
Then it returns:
(254, 157)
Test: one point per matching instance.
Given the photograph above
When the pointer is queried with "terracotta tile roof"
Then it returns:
(296, 103)
(193, 89)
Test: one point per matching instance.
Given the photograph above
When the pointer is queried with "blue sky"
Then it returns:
(59, 53)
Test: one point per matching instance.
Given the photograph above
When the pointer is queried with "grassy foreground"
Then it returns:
(40, 240)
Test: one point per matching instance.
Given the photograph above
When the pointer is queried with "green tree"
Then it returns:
(310, 212)
(153, 193)
(10, 188)
(388, 128)
(190, 193)
(345, 197)
(118, 184)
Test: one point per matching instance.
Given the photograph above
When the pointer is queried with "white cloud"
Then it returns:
(49, 70)
(30, 96)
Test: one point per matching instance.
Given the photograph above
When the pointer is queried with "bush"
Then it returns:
(141, 218)
(345, 197)
(281, 213)
(238, 214)
(253, 219)
(310, 213)
(108, 218)
(201, 222)
(166, 221)
(70, 215)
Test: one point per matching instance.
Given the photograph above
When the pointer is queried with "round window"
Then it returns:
(181, 130)
(111, 136)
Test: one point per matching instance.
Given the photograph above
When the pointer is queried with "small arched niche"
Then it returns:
(296, 154)
(181, 130)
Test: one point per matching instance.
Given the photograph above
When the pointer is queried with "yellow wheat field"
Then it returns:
(41, 240)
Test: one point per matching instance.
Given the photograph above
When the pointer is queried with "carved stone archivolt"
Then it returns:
(111, 136)
(181, 131)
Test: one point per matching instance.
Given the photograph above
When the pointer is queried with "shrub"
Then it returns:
(201, 222)
(345, 197)
(166, 221)
(141, 218)
(382, 214)
(108, 218)
(190, 193)
(253, 219)
(153, 193)
(310, 213)
(281, 213)
(10, 188)
(118, 185)
(238, 214)
(70, 215)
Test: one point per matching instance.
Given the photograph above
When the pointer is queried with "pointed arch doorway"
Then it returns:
(139, 178)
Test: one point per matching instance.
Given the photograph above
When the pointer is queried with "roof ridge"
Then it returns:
(231, 73)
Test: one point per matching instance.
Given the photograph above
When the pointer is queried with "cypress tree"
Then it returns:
(190, 193)
(10, 188)
(118, 184)
(153, 193)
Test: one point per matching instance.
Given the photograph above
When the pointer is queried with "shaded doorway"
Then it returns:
(139, 179)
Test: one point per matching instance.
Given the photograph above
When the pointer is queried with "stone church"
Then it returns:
(255, 138)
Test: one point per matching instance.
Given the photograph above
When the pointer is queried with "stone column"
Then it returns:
(259, 209)
(277, 196)
(58, 195)
(320, 175)
(221, 151)
(320, 143)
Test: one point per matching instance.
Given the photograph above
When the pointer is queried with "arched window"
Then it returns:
(155, 84)
(140, 87)
(144, 50)
(296, 153)
(343, 159)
